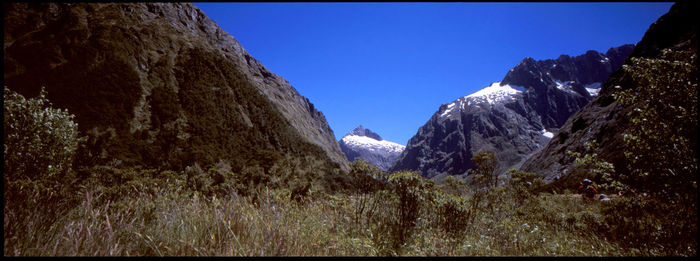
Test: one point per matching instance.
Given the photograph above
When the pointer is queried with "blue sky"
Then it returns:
(389, 66)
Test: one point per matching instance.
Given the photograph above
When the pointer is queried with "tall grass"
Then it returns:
(164, 219)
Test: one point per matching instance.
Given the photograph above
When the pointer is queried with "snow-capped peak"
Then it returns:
(372, 144)
(361, 131)
(367, 145)
(491, 94)
(496, 92)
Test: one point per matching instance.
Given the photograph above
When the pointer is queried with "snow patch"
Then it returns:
(448, 110)
(593, 88)
(547, 133)
(564, 86)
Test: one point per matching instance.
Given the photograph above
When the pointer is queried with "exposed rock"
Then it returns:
(513, 118)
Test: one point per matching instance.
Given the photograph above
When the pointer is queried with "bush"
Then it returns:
(454, 186)
(656, 227)
(602, 169)
(485, 175)
(365, 180)
(40, 145)
(661, 143)
(523, 184)
(40, 142)
(453, 214)
(410, 192)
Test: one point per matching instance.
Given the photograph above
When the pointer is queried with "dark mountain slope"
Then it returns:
(160, 84)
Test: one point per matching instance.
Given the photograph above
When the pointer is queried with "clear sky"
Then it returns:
(389, 66)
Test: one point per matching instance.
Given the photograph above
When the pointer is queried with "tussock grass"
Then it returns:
(165, 219)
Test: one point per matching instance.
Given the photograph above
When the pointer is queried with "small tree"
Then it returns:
(454, 186)
(366, 179)
(601, 168)
(486, 166)
(410, 193)
(453, 214)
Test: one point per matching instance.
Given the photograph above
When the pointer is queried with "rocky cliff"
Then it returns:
(159, 84)
(513, 118)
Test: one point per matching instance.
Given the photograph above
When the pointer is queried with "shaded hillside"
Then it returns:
(605, 120)
(160, 85)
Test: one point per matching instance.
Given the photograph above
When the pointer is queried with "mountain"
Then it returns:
(364, 144)
(604, 120)
(160, 84)
(513, 117)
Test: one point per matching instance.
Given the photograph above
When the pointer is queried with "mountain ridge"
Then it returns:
(513, 117)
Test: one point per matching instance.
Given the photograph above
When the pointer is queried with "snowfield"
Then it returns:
(372, 144)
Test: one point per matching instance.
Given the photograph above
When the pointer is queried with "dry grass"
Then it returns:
(165, 221)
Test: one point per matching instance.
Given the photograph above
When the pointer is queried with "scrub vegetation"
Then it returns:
(57, 205)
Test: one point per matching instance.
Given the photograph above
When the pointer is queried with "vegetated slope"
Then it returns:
(513, 118)
(364, 144)
(159, 84)
(604, 120)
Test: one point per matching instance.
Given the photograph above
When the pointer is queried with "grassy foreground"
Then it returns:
(163, 217)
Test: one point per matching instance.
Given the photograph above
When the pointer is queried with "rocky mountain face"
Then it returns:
(364, 144)
(513, 118)
(160, 84)
(604, 120)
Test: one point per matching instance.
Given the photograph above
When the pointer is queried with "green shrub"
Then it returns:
(454, 186)
(40, 144)
(40, 141)
(523, 184)
(662, 141)
(409, 193)
(656, 227)
(602, 169)
(453, 214)
(365, 179)
(198, 179)
(485, 175)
